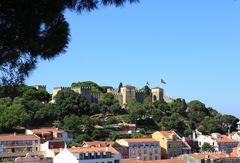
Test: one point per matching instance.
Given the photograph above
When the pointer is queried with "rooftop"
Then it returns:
(155, 161)
(12, 137)
(46, 130)
(168, 134)
(98, 143)
(90, 149)
(224, 138)
(141, 140)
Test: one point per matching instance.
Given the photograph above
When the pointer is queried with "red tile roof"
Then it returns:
(135, 140)
(12, 137)
(155, 161)
(46, 130)
(90, 149)
(98, 143)
(224, 138)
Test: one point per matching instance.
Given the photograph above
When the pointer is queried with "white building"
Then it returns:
(88, 155)
(236, 135)
(221, 143)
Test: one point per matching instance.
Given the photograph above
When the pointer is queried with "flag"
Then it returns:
(162, 81)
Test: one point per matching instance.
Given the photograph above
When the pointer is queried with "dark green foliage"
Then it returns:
(12, 116)
(24, 106)
(116, 136)
(206, 147)
(82, 137)
(147, 90)
(93, 86)
(31, 30)
(72, 124)
(69, 102)
(119, 87)
(108, 104)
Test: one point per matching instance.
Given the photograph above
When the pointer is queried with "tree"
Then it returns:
(69, 102)
(206, 147)
(119, 87)
(32, 30)
(72, 124)
(147, 90)
(87, 124)
(12, 116)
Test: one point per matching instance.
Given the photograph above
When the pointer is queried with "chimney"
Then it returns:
(183, 139)
(107, 148)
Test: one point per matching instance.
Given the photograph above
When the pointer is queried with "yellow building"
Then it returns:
(171, 143)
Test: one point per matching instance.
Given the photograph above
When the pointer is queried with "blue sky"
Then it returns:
(192, 45)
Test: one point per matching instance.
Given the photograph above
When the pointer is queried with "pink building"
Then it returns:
(13, 145)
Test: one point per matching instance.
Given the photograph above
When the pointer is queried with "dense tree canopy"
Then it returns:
(24, 106)
(36, 29)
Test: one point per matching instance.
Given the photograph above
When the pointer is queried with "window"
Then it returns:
(116, 161)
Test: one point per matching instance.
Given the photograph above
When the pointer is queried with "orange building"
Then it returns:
(171, 143)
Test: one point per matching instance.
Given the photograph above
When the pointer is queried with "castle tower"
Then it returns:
(40, 87)
(157, 94)
(55, 92)
(128, 93)
(85, 91)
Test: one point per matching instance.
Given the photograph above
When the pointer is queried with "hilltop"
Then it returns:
(26, 107)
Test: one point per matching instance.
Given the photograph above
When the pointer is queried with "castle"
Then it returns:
(126, 94)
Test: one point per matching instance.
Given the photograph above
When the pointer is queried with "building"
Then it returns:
(175, 160)
(47, 134)
(236, 135)
(40, 87)
(123, 150)
(171, 143)
(186, 148)
(128, 93)
(157, 94)
(88, 155)
(142, 148)
(13, 145)
(221, 143)
(210, 158)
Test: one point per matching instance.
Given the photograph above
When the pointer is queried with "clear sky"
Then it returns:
(194, 45)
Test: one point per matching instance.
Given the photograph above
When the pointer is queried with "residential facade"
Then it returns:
(47, 134)
(123, 150)
(221, 143)
(88, 155)
(13, 145)
(171, 143)
(142, 148)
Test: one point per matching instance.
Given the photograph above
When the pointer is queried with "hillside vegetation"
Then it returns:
(26, 107)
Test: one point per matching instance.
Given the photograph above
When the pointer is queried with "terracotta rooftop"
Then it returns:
(46, 130)
(224, 138)
(90, 149)
(135, 140)
(201, 156)
(168, 134)
(98, 143)
(98, 127)
(11, 137)
(212, 155)
(155, 161)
